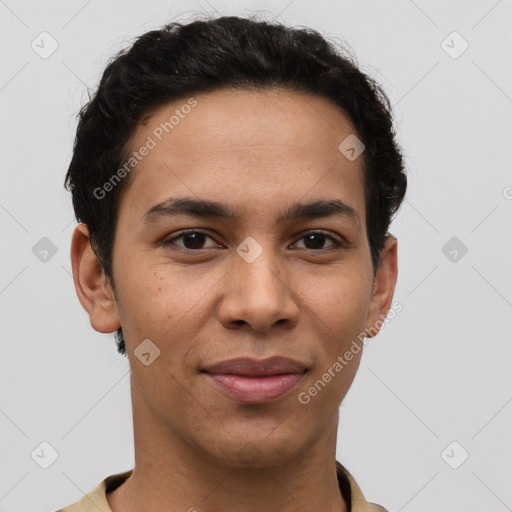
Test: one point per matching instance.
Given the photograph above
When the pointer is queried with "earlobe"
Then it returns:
(92, 286)
(383, 287)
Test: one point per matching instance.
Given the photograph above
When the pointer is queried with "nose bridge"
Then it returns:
(258, 268)
(258, 293)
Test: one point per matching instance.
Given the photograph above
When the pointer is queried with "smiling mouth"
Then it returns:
(248, 380)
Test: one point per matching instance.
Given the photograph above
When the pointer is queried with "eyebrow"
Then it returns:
(213, 209)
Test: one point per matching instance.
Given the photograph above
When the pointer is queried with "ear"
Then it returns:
(92, 286)
(383, 287)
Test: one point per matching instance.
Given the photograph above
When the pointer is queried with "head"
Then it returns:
(241, 133)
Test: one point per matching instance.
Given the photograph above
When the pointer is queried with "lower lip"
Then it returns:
(256, 389)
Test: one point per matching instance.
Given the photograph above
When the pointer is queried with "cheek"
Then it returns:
(341, 300)
(160, 301)
(147, 306)
(339, 310)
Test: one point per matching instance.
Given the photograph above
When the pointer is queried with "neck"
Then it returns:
(172, 475)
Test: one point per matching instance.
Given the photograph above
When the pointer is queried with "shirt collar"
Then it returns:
(96, 501)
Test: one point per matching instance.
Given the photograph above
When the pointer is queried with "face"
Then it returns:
(256, 275)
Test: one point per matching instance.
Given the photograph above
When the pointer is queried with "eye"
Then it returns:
(316, 239)
(192, 240)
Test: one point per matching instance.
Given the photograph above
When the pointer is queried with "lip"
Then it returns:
(249, 380)
(251, 367)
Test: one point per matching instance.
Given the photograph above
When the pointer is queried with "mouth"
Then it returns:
(248, 380)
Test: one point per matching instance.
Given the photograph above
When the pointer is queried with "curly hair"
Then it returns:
(181, 59)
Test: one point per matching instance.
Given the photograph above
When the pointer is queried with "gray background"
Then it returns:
(438, 373)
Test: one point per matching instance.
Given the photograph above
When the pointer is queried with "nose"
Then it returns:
(258, 296)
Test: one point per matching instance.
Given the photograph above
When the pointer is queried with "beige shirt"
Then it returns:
(96, 501)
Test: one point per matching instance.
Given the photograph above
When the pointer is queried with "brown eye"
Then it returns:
(315, 240)
(192, 240)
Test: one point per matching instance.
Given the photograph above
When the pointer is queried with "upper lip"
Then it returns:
(257, 367)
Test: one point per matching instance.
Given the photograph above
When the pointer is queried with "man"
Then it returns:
(208, 167)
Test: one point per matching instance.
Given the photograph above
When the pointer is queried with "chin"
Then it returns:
(257, 451)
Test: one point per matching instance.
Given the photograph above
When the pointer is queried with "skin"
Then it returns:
(257, 152)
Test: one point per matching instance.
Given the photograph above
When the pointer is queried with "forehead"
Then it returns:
(261, 146)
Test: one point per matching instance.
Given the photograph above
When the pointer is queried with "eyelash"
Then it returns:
(337, 243)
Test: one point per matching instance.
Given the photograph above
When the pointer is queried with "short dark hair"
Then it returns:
(226, 52)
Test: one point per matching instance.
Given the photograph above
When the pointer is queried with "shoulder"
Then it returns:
(96, 501)
(352, 492)
(377, 508)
